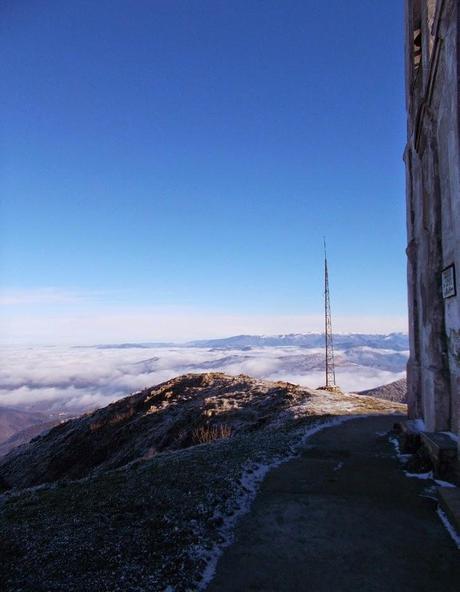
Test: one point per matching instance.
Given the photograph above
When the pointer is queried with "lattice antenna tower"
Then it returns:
(328, 337)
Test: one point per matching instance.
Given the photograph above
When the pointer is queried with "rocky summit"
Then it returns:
(182, 412)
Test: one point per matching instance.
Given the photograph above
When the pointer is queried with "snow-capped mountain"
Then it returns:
(394, 341)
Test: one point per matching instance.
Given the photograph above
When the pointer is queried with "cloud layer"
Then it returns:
(77, 379)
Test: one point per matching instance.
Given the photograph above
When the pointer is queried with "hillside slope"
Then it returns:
(25, 435)
(177, 414)
(394, 391)
(159, 521)
(16, 420)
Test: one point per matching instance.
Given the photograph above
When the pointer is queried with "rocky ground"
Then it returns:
(143, 494)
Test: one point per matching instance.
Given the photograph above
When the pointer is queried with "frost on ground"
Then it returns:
(430, 491)
(153, 509)
(429, 475)
(251, 478)
(450, 529)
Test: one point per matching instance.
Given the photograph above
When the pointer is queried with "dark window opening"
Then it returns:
(417, 50)
(416, 25)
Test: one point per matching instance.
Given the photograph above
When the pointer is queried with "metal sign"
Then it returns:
(449, 287)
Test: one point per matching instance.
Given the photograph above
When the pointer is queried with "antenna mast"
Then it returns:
(328, 338)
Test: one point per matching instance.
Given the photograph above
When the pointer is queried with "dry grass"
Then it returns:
(205, 434)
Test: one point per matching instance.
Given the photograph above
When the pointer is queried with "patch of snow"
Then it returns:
(253, 475)
(444, 483)
(418, 425)
(429, 492)
(428, 475)
(450, 529)
(403, 458)
(251, 478)
(452, 436)
(393, 440)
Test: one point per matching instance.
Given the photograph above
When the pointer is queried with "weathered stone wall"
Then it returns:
(432, 160)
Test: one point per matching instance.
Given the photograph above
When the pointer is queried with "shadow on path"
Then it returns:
(342, 517)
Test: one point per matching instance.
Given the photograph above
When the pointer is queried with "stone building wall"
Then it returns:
(432, 158)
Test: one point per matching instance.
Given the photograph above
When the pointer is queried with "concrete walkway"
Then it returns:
(343, 517)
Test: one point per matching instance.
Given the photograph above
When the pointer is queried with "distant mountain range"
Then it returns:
(15, 420)
(18, 426)
(394, 341)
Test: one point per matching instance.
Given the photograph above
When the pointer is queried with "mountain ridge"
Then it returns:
(395, 340)
(13, 420)
(173, 415)
(393, 391)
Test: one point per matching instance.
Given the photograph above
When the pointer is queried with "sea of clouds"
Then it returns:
(75, 379)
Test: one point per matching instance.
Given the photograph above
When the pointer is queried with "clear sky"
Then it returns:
(169, 168)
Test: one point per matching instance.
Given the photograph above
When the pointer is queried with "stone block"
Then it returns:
(449, 502)
(443, 453)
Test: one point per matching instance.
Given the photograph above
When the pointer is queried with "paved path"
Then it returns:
(343, 517)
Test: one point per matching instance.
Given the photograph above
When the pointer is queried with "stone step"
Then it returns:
(443, 453)
(449, 501)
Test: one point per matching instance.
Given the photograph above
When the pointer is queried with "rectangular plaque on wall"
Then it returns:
(448, 282)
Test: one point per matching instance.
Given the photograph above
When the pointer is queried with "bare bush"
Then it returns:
(207, 433)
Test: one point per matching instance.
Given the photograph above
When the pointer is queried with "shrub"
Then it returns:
(207, 433)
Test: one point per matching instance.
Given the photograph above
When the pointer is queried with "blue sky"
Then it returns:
(169, 160)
